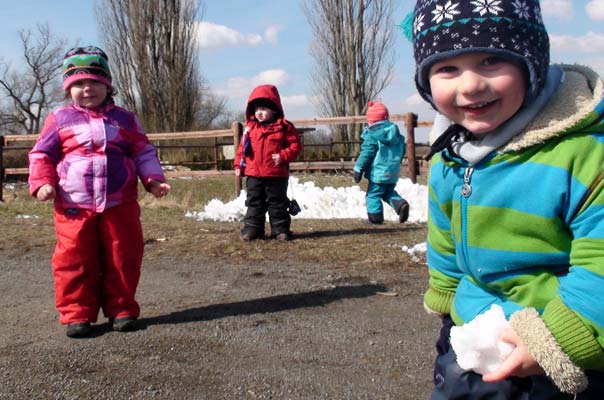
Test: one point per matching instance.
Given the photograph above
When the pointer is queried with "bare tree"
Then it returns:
(353, 55)
(33, 91)
(154, 54)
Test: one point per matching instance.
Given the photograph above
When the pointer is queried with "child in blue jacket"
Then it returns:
(380, 159)
(516, 199)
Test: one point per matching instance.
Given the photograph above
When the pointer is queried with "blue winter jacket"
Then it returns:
(382, 151)
(524, 229)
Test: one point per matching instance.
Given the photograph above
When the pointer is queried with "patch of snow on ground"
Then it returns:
(329, 203)
(415, 251)
(326, 203)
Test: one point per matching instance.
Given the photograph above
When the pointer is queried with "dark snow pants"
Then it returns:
(451, 382)
(266, 194)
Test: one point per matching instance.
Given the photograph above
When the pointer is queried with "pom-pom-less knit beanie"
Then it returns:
(86, 63)
(376, 111)
(509, 28)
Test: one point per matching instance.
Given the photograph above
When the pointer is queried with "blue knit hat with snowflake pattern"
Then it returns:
(510, 28)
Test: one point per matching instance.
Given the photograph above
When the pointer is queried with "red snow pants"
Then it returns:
(97, 262)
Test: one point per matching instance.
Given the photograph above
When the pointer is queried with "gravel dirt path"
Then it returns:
(228, 320)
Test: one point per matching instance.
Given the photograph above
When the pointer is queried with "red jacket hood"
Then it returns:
(268, 92)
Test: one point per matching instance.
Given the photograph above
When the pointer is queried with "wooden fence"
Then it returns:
(25, 142)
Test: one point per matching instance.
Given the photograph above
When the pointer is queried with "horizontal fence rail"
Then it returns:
(25, 142)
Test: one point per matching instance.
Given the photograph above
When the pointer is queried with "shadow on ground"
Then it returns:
(264, 305)
(371, 229)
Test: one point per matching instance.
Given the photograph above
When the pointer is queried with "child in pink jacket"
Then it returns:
(88, 158)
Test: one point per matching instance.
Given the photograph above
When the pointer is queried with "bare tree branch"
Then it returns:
(352, 53)
(34, 91)
(155, 60)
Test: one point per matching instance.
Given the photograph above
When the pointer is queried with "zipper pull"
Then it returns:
(466, 189)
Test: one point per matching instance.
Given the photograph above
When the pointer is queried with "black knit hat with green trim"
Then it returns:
(512, 29)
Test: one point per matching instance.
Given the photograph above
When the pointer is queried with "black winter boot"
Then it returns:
(247, 235)
(377, 218)
(79, 329)
(402, 209)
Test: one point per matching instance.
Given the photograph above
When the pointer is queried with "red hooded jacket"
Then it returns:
(261, 140)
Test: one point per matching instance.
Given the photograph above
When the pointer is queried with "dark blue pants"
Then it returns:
(451, 382)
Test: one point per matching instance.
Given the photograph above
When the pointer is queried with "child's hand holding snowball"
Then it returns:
(519, 363)
(489, 346)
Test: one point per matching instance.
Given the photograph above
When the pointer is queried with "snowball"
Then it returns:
(477, 344)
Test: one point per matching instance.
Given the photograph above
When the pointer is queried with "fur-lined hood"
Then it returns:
(578, 102)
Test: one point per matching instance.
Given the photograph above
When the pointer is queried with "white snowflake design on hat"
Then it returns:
(537, 13)
(487, 7)
(521, 9)
(448, 11)
(418, 23)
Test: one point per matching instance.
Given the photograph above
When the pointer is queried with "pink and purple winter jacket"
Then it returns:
(93, 158)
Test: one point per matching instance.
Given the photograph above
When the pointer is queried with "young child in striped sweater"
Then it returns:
(516, 216)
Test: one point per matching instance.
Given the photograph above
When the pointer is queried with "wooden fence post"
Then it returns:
(411, 124)
(237, 128)
(1, 167)
(216, 154)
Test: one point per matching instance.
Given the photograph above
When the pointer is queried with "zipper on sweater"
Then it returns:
(466, 192)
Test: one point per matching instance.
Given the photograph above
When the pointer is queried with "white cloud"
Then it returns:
(240, 87)
(277, 77)
(595, 10)
(271, 34)
(592, 42)
(562, 9)
(296, 101)
(212, 36)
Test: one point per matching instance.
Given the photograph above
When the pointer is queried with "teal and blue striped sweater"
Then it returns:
(525, 226)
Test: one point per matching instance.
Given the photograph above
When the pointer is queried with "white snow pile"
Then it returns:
(326, 203)
(477, 344)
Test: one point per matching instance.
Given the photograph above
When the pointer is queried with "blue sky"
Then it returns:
(245, 43)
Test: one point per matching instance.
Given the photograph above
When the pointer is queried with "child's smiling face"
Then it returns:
(479, 91)
(88, 93)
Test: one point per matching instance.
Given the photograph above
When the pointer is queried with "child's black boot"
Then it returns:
(124, 324)
(284, 236)
(377, 218)
(249, 235)
(402, 209)
(78, 329)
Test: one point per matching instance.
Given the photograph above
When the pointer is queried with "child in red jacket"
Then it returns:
(268, 145)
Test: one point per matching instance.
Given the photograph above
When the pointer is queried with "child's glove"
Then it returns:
(358, 175)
